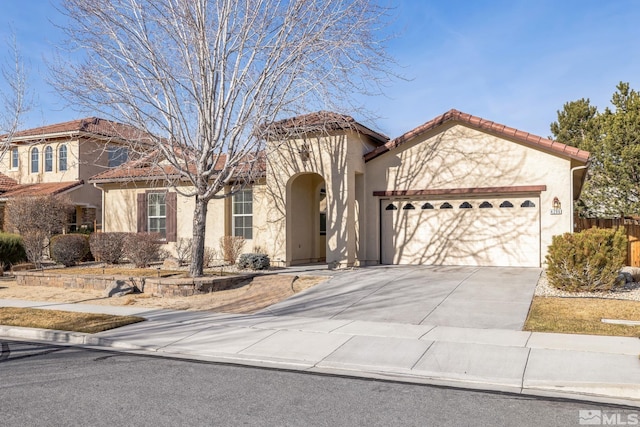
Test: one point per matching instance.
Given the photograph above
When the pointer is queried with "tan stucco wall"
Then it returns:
(334, 158)
(461, 157)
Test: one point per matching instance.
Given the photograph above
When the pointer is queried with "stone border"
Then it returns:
(161, 286)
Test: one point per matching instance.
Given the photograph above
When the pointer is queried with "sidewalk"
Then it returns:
(594, 368)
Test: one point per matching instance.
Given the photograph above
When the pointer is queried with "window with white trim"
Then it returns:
(62, 158)
(48, 159)
(35, 160)
(157, 213)
(242, 214)
(15, 158)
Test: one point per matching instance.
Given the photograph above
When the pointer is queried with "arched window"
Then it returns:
(465, 205)
(427, 206)
(408, 206)
(485, 205)
(391, 207)
(446, 205)
(62, 158)
(35, 160)
(506, 204)
(48, 159)
(528, 204)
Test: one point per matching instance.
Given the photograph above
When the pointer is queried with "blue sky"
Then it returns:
(513, 62)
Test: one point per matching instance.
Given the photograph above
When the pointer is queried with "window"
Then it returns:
(485, 205)
(157, 213)
(506, 204)
(427, 206)
(323, 223)
(35, 160)
(62, 158)
(465, 205)
(117, 156)
(528, 204)
(391, 207)
(408, 206)
(48, 159)
(446, 205)
(243, 214)
(15, 159)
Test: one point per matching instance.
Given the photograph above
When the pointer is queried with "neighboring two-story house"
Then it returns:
(60, 158)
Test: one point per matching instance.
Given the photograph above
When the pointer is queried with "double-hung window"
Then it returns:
(15, 159)
(157, 213)
(48, 159)
(35, 160)
(62, 158)
(243, 214)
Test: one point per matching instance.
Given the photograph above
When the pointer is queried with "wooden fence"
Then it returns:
(631, 226)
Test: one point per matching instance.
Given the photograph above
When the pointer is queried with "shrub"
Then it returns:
(210, 255)
(254, 261)
(231, 247)
(184, 247)
(35, 241)
(68, 249)
(142, 248)
(107, 247)
(587, 261)
(11, 249)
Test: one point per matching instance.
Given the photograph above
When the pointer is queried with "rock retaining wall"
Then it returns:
(151, 285)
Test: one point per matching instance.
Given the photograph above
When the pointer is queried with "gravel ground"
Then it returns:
(631, 291)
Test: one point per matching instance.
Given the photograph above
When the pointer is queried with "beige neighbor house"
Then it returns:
(458, 190)
(60, 158)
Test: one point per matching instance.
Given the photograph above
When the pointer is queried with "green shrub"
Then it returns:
(254, 261)
(142, 248)
(11, 249)
(69, 249)
(108, 247)
(587, 261)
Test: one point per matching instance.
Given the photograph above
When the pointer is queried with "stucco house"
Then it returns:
(457, 190)
(60, 158)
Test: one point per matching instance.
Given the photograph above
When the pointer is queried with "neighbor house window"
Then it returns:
(157, 214)
(243, 214)
(35, 160)
(15, 159)
(62, 158)
(117, 156)
(48, 159)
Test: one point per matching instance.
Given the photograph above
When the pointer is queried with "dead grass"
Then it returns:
(582, 316)
(131, 272)
(63, 320)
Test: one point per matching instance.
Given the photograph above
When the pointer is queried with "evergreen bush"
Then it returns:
(11, 250)
(254, 261)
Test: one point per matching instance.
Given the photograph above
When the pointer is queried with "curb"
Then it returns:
(554, 391)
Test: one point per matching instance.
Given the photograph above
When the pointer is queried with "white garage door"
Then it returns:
(486, 232)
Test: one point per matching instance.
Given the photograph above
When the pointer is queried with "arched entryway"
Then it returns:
(306, 219)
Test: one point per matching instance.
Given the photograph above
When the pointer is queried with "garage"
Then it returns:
(478, 231)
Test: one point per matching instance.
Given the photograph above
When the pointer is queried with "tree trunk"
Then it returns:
(199, 227)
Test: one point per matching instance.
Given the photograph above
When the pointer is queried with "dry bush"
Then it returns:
(184, 246)
(142, 248)
(108, 247)
(231, 248)
(210, 255)
(69, 249)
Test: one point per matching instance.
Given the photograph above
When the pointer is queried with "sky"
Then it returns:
(513, 62)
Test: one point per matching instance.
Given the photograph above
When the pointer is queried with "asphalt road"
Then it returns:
(47, 385)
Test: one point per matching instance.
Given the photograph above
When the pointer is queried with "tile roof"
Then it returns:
(147, 168)
(321, 121)
(487, 126)
(6, 183)
(89, 125)
(40, 189)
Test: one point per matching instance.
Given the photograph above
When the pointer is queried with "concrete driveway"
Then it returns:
(468, 297)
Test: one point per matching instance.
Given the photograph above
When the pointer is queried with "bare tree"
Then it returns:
(14, 101)
(204, 76)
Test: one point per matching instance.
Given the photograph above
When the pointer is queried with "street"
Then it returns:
(48, 385)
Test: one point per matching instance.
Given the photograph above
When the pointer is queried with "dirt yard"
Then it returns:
(262, 292)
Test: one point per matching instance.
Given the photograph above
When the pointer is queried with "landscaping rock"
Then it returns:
(170, 263)
(624, 277)
(119, 288)
(633, 271)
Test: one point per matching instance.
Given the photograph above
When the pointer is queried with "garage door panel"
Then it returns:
(458, 236)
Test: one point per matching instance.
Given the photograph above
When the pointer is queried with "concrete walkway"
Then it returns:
(594, 368)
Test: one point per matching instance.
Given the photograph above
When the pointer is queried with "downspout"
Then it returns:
(571, 194)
